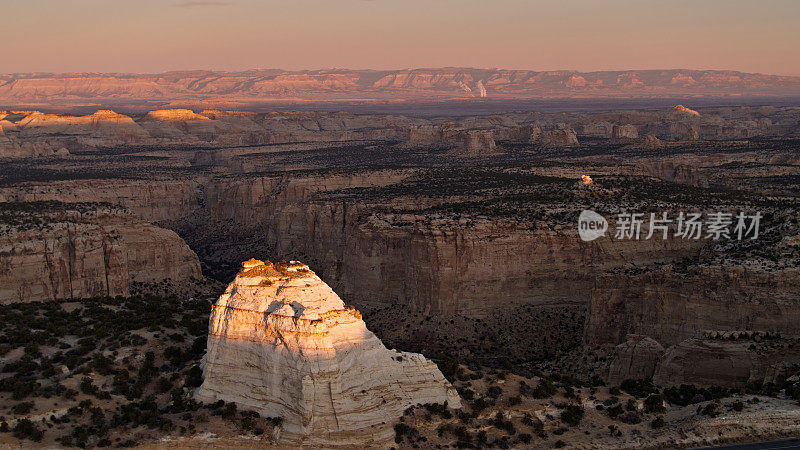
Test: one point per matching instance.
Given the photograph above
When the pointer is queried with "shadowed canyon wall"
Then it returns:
(81, 254)
(438, 264)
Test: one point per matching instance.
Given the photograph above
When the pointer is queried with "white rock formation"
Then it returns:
(281, 342)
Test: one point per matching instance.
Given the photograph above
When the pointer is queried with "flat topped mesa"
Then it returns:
(281, 342)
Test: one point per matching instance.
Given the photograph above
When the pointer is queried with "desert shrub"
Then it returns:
(615, 410)
(164, 385)
(654, 404)
(229, 411)
(22, 408)
(499, 422)
(545, 389)
(494, 391)
(450, 368)
(194, 377)
(466, 393)
(631, 417)
(596, 381)
(638, 388)
(25, 429)
(572, 414)
(102, 364)
(711, 409)
(658, 422)
(479, 404)
(688, 394)
(87, 386)
(611, 401)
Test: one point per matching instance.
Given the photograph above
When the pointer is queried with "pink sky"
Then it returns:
(160, 35)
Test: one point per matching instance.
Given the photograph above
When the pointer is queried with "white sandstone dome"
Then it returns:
(281, 342)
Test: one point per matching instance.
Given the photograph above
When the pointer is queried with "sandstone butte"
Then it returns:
(282, 343)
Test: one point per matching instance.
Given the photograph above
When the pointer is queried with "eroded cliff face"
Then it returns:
(672, 307)
(458, 138)
(72, 253)
(729, 359)
(150, 200)
(258, 88)
(32, 133)
(283, 343)
(441, 263)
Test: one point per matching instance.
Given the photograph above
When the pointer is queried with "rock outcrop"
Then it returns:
(525, 134)
(597, 129)
(728, 362)
(31, 133)
(55, 252)
(560, 136)
(683, 131)
(624, 132)
(671, 307)
(462, 141)
(281, 342)
(680, 109)
(649, 142)
(635, 359)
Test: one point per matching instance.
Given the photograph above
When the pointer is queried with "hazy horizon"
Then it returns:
(575, 35)
(396, 69)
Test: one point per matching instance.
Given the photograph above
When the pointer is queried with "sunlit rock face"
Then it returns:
(680, 109)
(281, 342)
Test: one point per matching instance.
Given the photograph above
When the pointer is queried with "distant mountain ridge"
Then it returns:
(207, 88)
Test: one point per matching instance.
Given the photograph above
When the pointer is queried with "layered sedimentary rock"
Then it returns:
(683, 131)
(635, 359)
(458, 261)
(32, 133)
(251, 87)
(650, 142)
(525, 134)
(749, 309)
(460, 140)
(281, 342)
(728, 361)
(671, 306)
(560, 136)
(624, 132)
(78, 253)
(597, 129)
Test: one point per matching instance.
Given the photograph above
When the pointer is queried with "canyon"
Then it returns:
(454, 235)
(453, 239)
